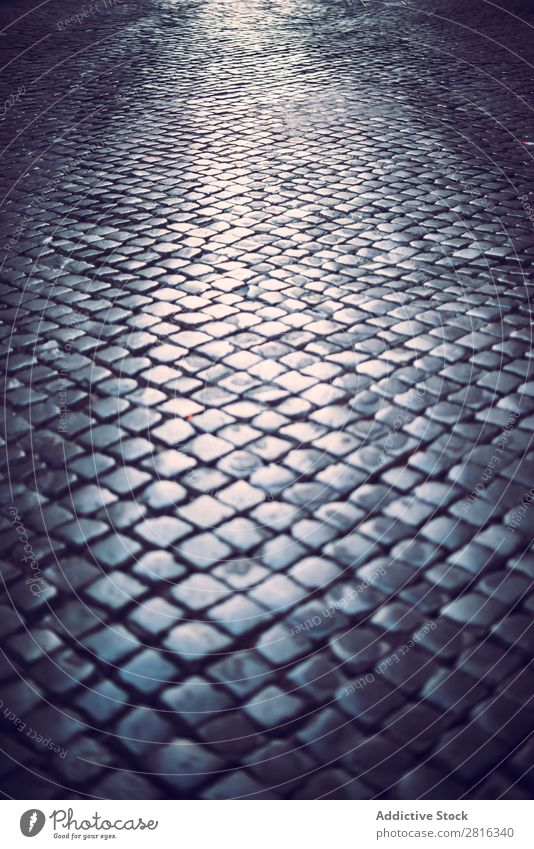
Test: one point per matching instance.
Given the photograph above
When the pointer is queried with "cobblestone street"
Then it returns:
(266, 522)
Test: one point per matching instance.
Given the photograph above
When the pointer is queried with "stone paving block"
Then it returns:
(183, 765)
(269, 401)
(272, 708)
(195, 641)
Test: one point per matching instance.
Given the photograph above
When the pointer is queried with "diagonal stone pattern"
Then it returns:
(268, 402)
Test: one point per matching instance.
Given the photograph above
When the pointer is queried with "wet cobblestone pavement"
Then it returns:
(266, 512)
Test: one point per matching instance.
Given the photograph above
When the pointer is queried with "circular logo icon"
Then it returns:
(32, 822)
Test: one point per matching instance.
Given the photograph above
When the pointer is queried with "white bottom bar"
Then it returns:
(269, 825)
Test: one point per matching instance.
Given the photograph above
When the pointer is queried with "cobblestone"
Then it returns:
(265, 277)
